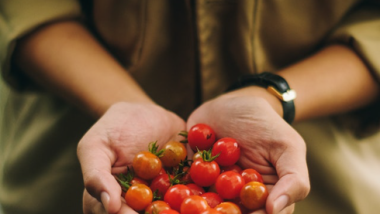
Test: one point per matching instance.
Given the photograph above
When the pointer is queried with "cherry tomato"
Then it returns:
(201, 137)
(161, 184)
(138, 197)
(237, 201)
(162, 171)
(211, 211)
(234, 168)
(156, 207)
(254, 195)
(128, 179)
(136, 180)
(168, 212)
(174, 153)
(185, 177)
(228, 184)
(204, 173)
(194, 204)
(197, 155)
(176, 194)
(228, 150)
(212, 188)
(212, 199)
(195, 189)
(251, 175)
(146, 165)
(228, 208)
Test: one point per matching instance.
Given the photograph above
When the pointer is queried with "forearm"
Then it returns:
(333, 81)
(67, 59)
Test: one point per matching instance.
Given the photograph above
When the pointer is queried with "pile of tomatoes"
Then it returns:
(165, 181)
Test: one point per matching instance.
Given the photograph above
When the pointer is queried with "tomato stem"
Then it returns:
(156, 195)
(183, 134)
(206, 155)
(153, 147)
(124, 183)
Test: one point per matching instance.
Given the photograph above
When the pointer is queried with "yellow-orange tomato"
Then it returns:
(228, 208)
(157, 207)
(146, 165)
(253, 195)
(139, 196)
(174, 153)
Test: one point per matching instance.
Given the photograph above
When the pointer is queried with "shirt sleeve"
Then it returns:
(360, 30)
(19, 17)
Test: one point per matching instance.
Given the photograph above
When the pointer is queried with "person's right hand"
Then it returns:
(110, 145)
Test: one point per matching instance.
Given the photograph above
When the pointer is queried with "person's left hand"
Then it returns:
(268, 144)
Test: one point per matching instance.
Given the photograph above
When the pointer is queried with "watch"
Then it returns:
(275, 85)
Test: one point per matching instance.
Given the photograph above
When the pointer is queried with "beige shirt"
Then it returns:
(183, 53)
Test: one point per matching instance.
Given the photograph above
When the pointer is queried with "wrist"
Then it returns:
(275, 85)
(262, 93)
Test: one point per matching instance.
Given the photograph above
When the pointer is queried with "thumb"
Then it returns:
(96, 162)
(293, 184)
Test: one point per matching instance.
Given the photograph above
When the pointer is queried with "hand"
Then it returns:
(268, 144)
(110, 145)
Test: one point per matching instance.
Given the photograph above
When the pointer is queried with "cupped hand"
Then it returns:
(110, 145)
(268, 144)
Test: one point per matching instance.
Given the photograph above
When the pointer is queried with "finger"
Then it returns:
(96, 161)
(286, 210)
(270, 179)
(293, 184)
(91, 205)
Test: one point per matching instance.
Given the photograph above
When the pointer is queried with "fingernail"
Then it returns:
(105, 198)
(280, 203)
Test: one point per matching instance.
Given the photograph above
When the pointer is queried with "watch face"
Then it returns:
(287, 96)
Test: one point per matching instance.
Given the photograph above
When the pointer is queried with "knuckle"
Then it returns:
(305, 188)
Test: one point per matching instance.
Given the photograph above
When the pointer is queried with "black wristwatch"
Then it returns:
(275, 85)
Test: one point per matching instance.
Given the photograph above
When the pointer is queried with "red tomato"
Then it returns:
(228, 208)
(156, 207)
(194, 204)
(138, 197)
(254, 195)
(228, 150)
(176, 194)
(174, 153)
(212, 199)
(161, 184)
(185, 177)
(212, 188)
(146, 165)
(201, 137)
(195, 189)
(162, 171)
(251, 175)
(228, 184)
(168, 212)
(204, 173)
(234, 168)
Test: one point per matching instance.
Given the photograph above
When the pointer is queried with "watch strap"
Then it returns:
(275, 85)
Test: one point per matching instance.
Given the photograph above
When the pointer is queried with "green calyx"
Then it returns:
(153, 147)
(206, 155)
(183, 134)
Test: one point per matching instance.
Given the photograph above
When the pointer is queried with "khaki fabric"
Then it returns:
(184, 53)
